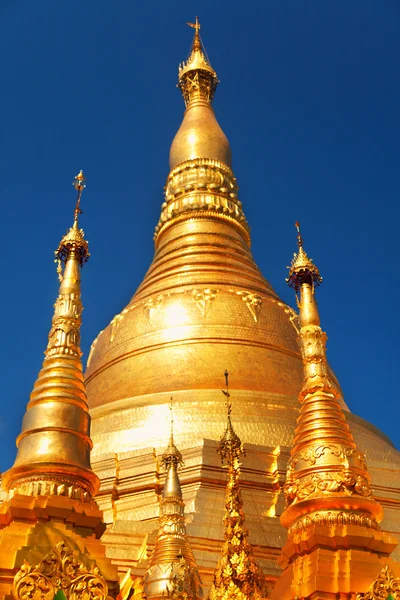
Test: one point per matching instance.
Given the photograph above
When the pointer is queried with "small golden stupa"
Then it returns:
(101, 511)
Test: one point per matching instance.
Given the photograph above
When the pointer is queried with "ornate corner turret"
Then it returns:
(237, 574)
(334, 540)
(325, 468)
(54, 445)
(49, 517)
(172, 571)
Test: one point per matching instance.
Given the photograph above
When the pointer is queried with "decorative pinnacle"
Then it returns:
(196, 41)
(230, 446)
(79, 184)
(74, 240)
(197, 79)
(171, 454)
(302, 270)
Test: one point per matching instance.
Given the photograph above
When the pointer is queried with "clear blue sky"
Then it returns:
(309, 99)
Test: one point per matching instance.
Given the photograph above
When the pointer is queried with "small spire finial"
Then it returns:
(79, 184)
(302, 270)
(228, 401)
(299, 238)
(171, 454)
(230, 446)
(196, 25)
(197, 79)
(74, 240)
(171, 414)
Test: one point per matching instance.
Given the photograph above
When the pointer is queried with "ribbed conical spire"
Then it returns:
(237, 574)
(325, 471)
(172, 571)
(201, 183)
(54, 446)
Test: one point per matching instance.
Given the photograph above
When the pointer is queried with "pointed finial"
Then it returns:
(230, 446)
(171, 454)
(228, 401)
(196, 41)
(302, 270)
(299, 238)
(79, 184)
(197, 79)
(74, 240)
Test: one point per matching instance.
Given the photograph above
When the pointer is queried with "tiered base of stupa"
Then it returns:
(33, 527)
(131, 481)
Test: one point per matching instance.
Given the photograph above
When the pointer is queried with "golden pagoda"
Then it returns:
(50, 524)
(204, 305)
(321, 486)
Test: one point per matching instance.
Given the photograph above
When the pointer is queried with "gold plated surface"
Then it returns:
(237, 574)
(172, 571)
(200, 135)
(331, 515)
(325, 470)
(54, 444)
(48, 516)
(204, 306)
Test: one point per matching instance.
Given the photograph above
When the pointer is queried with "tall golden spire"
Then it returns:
(54, 446)
(334, 543)
(237, 574)
(201, 183)
(325, 468)
(172, 572)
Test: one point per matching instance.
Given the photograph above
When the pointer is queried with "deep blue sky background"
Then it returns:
(309, 99)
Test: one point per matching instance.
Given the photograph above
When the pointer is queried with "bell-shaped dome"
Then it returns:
(199, 136)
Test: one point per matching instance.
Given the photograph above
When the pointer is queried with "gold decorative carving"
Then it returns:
(204, 299)
(56, 486)
(202, 187)
(64, 335)
(183, 581)
(385, 586)
(62, 570)
(253, 303)
(345, 482)
(152, 306)
(332, 518)
(311, 454)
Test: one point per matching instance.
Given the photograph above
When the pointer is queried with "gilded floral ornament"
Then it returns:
(183, 581)
(61, 570)
(385, 586)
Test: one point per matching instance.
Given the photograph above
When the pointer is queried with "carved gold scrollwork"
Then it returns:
(60, 570)
(346, 482)
(311, 454)
(384, 585)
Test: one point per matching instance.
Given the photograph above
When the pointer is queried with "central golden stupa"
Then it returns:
(204, 307)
